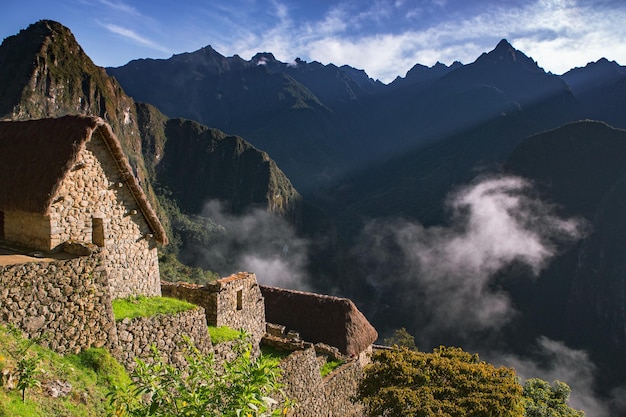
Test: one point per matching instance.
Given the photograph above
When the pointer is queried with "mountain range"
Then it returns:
(327, 148)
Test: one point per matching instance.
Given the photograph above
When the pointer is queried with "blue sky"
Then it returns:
(383, 37)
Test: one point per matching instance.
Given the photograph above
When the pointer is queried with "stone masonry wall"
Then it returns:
(94, 205)
(28, 229)
(330, 396)
(136, 336)
(67, 301)
(234, 301)
(303, 384)
(341, 386)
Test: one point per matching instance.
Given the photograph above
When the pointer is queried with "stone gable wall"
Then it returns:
(136, 336)
(67, 301)
(95, 189)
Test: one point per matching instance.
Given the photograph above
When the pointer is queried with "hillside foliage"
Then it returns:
(451, 382)
(234, 388)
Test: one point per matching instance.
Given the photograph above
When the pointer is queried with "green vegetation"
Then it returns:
(243, 388)
(401, 338)
(87, 378)
(223, 334)
(450, 382)
(330, 366)
(544, 400)
(141, 306)
(446, 382)
(273, 354)
(172, 270)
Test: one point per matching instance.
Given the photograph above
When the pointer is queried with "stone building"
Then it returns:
(65, 181)
(234, 301)
(318, 318)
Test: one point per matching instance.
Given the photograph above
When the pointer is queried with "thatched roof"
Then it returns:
(320, 318)
(36, 155)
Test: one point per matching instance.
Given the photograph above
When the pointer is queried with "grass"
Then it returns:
(273, 354)
(132, 307)
(223, 334)
(91, 374)
(330, 366)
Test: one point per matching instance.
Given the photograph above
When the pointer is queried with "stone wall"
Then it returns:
(136, 336)
(303, 384)
(94, 205)
(28, 229)
(341, 386)
(67, 301)
(234, 301)
(320, 318)
(330, 396)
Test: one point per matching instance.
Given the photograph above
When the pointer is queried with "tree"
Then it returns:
(541, 399)
(446, 382)
(239, 388)
(401, 338)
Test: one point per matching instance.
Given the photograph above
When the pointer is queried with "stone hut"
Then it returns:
(320, 318)
(66, 181)
(234, 301)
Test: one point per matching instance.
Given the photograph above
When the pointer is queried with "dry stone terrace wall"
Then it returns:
(303, 384)
(341, 386)
(166, 332)
(67, 301)
(330, 396)
(94, 205)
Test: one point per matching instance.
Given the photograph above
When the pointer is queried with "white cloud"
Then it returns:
(559, 34)
(133, 36)
(449, 271)
(556, 361)
(120, 7)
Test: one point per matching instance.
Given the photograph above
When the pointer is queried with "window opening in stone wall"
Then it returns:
(1, 224)
(97, 231)
(239, 299)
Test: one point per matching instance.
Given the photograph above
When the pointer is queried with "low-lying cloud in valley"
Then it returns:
(256, 241)
(553, 360)
(445, 274)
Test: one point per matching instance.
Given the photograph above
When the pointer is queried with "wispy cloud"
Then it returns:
(446, 275)
(278, 258)
(553, 360)
(120, 7)
(133, 36)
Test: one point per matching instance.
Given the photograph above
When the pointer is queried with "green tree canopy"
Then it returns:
(542, 399)
(447, 382)
(401, 338)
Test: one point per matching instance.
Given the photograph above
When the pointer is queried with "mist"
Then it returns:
(256, 241)
(445, 276)
(553, 360)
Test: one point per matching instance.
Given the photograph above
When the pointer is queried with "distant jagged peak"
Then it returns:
(601, 64)
(505, 54)
(262, 58)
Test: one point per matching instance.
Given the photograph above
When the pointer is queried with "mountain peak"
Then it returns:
(264, 58)
(504, 45)
(505, 54)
